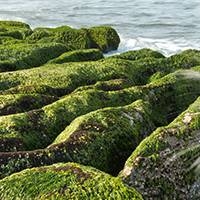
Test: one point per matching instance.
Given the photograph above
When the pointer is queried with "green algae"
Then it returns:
(19, 103)
(38, 128)
(71, 38)
(93, 139)
(6, 40)
(96, 138)
(139, 54)
(35, 88)
(41, 126)
(111, 85)
(65, 181)
(164, 158)
(89, 123)
(22, 56)
(102, 37)
(15, 24)
(67, 77)
(78, 56)
(17, 30)
(21, 48)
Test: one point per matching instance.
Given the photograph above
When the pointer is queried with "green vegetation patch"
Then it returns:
(65, 181)
(22, 56)
(103, 139)
(19, 103)
(69, 76)
(111, 85)
(38, 128)
(139, 54)
(17, 30)
(64, 78)
(78, 56)
(71, 38)
(160, 167)
(102, 37)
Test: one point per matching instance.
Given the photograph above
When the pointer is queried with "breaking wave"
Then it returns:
(166, 46)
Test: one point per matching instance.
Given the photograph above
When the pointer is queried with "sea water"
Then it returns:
(168, 26)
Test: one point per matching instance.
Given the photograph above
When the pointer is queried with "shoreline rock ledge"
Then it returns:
(77, 125)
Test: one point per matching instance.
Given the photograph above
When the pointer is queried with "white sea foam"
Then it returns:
(166, 46)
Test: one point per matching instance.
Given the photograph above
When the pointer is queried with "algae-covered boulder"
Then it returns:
(69, 76)
(38, 128)
(45, 124)
(78, 107)
(105, 38)
(21, 48)
(161, 166)
(65, 181)
(7, 40)
(102, 37)
(17, 103)
(111, 85)
(36, 88)
(139, 54)
(21, 56)
(17, 30)
(78, 56)
(72, 38)
(103, 139)
(64, 78)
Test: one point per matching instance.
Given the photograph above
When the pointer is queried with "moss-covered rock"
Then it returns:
(17, 30)
(19, 44)
(21, 56)
(103, 139)
(64, 78)
(65, 181)
(139, 54)
(88, 119)
(69, 76)
(38, 128)
(97, 136)
(160, 167)
(19, 103)
(103, 38)
(6, 40)
(111, 85)
(78, 56)
(71, 38)
(35, 88)
(184, 60)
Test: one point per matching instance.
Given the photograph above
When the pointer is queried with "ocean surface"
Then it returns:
(168, 26)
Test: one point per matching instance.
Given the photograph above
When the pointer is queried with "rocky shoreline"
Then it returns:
(77, 125)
